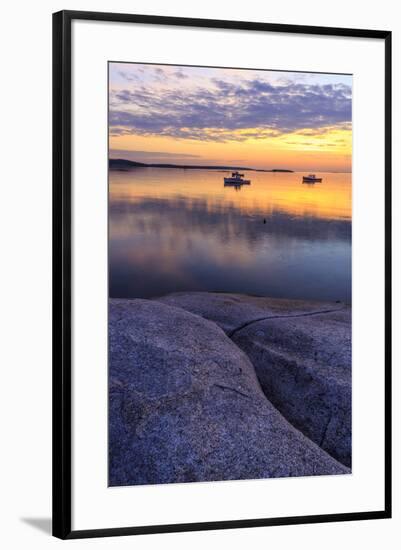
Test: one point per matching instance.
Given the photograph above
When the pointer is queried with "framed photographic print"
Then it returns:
(221, 285)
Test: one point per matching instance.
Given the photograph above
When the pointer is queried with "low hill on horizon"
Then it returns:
(124, 164)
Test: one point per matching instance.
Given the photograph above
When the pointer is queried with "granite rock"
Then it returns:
(233, 311)
(304, 367)
(301, 352)
(185, 405)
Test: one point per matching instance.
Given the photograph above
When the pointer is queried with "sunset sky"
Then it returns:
(261, 119)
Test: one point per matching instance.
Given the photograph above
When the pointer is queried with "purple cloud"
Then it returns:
(219, 113)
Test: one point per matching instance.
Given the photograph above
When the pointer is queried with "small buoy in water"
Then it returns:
(264, 220)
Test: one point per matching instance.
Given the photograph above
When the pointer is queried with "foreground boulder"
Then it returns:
(304, 367)
(301, 352)
(185, 405)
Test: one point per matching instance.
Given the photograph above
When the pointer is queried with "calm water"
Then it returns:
(177, 230)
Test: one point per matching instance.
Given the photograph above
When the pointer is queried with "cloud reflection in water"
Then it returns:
(166, 235)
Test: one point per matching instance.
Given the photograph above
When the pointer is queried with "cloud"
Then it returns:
(128, 76)
(230, 111)
(180, 74)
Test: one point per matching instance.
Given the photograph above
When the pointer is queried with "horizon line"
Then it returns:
(221, 167)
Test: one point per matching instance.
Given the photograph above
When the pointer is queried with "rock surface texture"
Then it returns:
(301, 352)
(234, 311)
(185, 405)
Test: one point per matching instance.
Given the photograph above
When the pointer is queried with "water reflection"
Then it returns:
(236, 186)
(176, 230)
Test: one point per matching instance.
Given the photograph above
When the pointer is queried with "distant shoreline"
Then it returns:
(124, 165)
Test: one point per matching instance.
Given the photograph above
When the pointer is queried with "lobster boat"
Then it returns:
(236, 179)
(311, 178)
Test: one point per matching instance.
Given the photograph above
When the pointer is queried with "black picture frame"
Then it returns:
(62, 501)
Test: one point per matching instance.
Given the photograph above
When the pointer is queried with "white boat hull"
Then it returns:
(234, 181)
